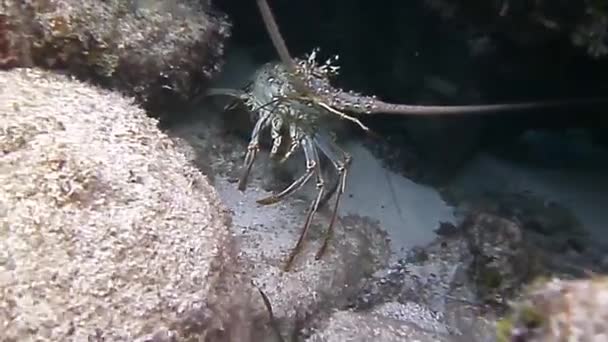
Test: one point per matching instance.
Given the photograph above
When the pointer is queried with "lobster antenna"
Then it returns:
(275, 35)
(381, 107)
(279, 44)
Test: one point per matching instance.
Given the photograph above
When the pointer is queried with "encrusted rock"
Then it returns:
(361, 327)
(463, 278)
(106, 232)
(501, 262)
(559, 310)
(157, 51)
(585, 23)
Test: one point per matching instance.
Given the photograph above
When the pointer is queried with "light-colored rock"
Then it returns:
(154, 50)
(347, 326)
(413, 313)
(106, 232)
(559, 310)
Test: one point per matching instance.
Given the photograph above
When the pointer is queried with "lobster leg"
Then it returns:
(254, 147)
(312, 166)
(276, 126)
(341, 161)
(295, 136)
(293, 187)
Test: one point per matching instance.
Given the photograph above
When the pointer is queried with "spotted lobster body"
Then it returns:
(279, 103)
(267, 97)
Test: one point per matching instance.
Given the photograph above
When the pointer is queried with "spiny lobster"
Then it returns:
(295, 95)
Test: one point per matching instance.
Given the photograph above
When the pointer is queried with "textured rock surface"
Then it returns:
(585, 23)
(360, 327)
(457, 285)
(154, 50)
(106, 232)
(468, 277)
(560, 310)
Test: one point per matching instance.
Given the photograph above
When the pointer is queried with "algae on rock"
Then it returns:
(157, 51)
(559, 310)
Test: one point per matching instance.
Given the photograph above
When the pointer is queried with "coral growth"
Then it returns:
(559, 310)
(152, 50)
(592, 32)
(501, 258)
(584, 23)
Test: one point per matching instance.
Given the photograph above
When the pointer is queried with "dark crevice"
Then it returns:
(407, 52)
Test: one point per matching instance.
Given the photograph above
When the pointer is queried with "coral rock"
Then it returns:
(157, 51)
(107, 233)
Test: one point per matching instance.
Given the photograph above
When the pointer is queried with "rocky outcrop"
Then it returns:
(559, 310)
(462, 282)
(156, 51)
(361, 327)
(107, 233)
(584, 23)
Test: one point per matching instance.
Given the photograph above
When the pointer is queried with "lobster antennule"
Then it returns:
(236, 93)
